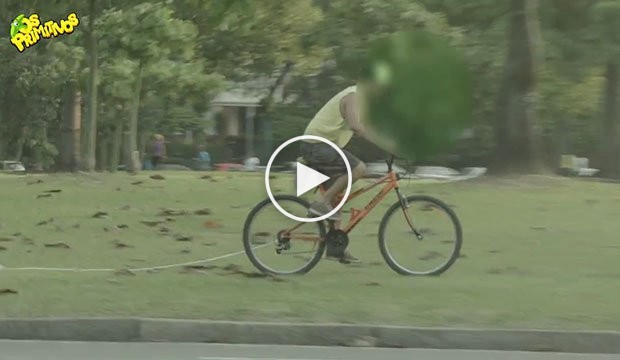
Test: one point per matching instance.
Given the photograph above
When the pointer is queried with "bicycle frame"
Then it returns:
(391, 182)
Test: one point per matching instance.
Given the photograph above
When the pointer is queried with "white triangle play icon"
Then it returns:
(308, 179)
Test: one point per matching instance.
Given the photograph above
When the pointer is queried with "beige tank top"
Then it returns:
(329, 124)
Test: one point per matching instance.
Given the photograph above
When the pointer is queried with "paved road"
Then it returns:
(57, 350)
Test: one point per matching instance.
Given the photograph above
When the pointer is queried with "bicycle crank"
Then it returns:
(283, 242)
(337, 241)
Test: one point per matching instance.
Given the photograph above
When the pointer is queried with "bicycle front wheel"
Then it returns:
(421, 236)
(278, 245)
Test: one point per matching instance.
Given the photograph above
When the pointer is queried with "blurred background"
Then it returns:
(235, 78)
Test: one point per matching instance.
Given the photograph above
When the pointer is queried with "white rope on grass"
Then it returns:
(160, 267)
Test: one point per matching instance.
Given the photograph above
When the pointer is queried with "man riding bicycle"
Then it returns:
(337, 121)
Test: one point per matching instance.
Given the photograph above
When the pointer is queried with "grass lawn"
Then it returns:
(539, 252)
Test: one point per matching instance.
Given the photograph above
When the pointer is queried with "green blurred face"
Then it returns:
(370, 88)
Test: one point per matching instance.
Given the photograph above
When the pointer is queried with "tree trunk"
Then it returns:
(70, 148)
(89, 160)
(518, 138)
(116, 147)
(610, 165)
(132, 135)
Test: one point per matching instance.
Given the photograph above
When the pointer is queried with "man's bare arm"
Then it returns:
(349, 109)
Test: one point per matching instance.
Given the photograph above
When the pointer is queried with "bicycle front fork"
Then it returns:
(405, 205)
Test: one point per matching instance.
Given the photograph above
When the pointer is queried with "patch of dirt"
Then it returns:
(211, 224)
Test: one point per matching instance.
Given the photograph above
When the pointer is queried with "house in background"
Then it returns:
(234, 124)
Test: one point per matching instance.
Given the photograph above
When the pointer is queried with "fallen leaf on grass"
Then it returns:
(120, 245)
(181, 237)
(118, 189)
(210, 224)
(28, 241)
(76, 226)
(494, 251)
(58, 245)
(45, 222)
(100, 214)
(232, 267)
(122, 226)
(204, 211)
(2, 248)
(372, 283)
(137, 182)
(125, 207)
(6, 291)
(171, 219)
(430, 255)
(164, 230)
(44, 196)
(151, 223)
(538, 227)
(53, 191)
(173, 212)
(38, 181)
(157, 177)
(205, 177)
(185, 251)
(209, 243)
(200, 269)
(124, 272)
(17, 234)
(6, 238)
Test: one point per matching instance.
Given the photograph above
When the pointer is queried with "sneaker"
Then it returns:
(345, 258)
(319, 208)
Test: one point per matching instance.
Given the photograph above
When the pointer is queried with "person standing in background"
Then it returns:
(158, 150)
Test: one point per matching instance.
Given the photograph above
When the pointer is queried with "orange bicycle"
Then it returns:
(427, 232)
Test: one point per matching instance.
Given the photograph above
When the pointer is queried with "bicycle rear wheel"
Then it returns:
(278, 245)
(423, 237)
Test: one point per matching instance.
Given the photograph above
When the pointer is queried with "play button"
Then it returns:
(308, 179)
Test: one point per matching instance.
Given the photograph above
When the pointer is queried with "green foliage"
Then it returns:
(425, 95)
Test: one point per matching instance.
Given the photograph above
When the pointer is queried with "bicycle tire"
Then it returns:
(398, 206)
(248, 248)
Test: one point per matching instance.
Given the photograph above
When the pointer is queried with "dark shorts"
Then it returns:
(326, 160)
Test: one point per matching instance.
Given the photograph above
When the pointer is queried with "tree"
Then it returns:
(517, 130)
(144, 34)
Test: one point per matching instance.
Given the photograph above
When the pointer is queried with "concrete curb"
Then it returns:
(162, 330)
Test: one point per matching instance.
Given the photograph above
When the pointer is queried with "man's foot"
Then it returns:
(345, 258)
(319, 208)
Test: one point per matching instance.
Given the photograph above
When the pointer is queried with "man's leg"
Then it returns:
(341, 183)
